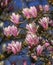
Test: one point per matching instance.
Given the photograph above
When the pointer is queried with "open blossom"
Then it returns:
(15, 18)
(44, 22)
(7, 31)
(11, 30)
(14, 31)
(14, 47)
(26, 13)
(30, 12)
(46, 8)
(32, 39)
(33, 11)
(32, 28)
(39, 50)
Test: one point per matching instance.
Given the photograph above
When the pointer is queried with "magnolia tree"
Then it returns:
(37, 35)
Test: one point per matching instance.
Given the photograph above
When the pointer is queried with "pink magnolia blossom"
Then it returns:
(32, 28)
(14, 31)
(32, 39)
(39, 50)
(14, 47)
(44, 22)
(46, 8)
(15, 18)
(33, 11)
(26, 13)
(7, 31)
(11, 30)
(30, 12)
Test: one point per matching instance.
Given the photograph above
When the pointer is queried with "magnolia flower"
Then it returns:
(15, 18)
(26, 13)
(39, 50)
(46, 8)
(30, 12)
(14, 31)
(7, 31)
(11, 30)
(32, 28)
(44, 22)
(32, 39)
(14, 47)
(33, 11)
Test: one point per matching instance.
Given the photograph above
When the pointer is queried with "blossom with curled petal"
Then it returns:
(32, 39)
(44, 22)
(32, 28)
(39, 50)
(14, 47)
(46, 8)
(26, 13)
(33, 11)
(11, 30)
(15, 18)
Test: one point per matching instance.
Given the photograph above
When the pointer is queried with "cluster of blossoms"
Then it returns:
(32, 40)
(15, 18)
(11, 30)
(30, 12)
(14, 47)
